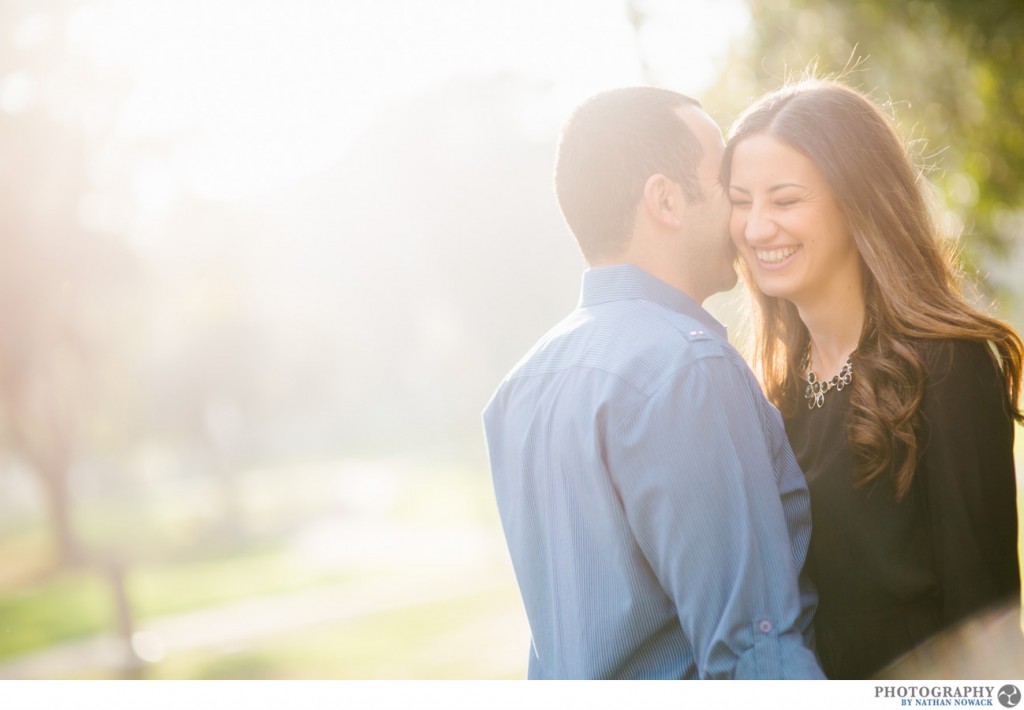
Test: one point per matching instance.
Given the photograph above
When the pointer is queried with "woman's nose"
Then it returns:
(760, 226)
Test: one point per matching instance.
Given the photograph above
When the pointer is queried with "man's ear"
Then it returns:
(664, 201)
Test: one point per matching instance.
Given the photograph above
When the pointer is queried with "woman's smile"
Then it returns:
(775, 258)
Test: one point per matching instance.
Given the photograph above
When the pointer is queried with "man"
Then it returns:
(655, 515)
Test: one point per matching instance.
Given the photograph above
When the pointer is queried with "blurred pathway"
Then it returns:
(234, 624)
(412, 540)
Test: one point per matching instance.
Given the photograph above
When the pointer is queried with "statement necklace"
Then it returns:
(816, 389)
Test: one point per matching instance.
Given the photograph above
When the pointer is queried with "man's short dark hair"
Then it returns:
(609, 147)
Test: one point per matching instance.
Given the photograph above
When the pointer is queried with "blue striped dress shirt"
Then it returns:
(655, 515)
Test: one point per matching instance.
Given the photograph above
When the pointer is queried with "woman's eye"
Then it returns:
(785, 203)
(740, 203)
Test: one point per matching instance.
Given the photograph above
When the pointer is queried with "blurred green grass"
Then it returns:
(67, 605)
(444, 524)
(464, 637)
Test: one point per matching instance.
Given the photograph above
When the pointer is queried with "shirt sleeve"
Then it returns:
(696, 470)
(969, 477)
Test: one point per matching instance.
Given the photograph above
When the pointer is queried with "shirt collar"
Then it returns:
(625, 282)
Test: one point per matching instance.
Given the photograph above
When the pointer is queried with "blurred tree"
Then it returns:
(59, 280)
(950, 72)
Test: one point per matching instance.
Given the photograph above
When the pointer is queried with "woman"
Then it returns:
(898, 396)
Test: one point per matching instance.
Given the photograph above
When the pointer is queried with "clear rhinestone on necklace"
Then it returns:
(816, 389)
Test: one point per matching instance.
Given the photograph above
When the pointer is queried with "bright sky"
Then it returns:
(267, 90)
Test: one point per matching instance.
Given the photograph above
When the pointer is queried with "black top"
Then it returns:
(891, 574)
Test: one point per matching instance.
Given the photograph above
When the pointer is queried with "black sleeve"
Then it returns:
(969, 476)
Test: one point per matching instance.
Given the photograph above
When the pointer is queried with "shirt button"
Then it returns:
(764, 626)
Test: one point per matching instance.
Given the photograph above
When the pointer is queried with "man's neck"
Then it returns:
(660, 266)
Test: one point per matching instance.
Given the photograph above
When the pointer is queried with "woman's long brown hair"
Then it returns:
(912, 290)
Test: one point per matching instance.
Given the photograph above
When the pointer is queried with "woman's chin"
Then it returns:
(772, 287)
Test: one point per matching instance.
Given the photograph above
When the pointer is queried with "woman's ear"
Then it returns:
(663, 200)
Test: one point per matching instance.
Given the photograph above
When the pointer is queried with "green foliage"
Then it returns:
(948, 71)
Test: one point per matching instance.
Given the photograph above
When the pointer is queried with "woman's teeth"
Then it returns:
(774, 256)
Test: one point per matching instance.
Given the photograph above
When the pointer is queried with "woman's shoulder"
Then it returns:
(944, 356)
(947, 346)
(960, 366)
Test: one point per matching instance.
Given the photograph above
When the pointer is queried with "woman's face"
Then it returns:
(787, 225)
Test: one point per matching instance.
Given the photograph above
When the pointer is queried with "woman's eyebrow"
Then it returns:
(773, 188)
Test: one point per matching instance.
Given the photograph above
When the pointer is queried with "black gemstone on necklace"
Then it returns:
(816, 390)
